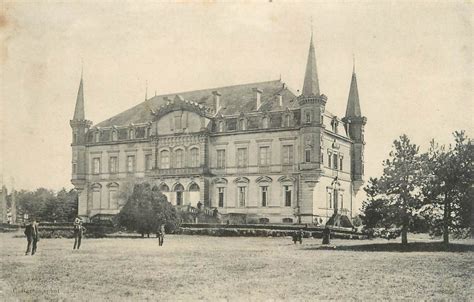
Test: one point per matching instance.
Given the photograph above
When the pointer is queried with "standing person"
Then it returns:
(161, 235)
(326, 235)
(32, 236)
(78, 233)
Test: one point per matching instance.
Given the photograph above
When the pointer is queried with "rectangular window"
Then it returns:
(334, 161)
(329, 201)
(242, 157)
(113, 163)
(287, 155)
(287, 196)
(264, 156)
(307, 155)
(335, 205)
(165, 159)
(131, 163)
(242, 193)
(264, 196)
(74, 168)
(329, 160)
(148, 162)
(96, 165)
(308, 117)
(221, 159)
(221, 197)
(340, 163)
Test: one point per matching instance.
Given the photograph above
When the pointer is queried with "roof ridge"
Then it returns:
(215, 88)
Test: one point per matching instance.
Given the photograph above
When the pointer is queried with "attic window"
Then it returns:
(265, 122)
(220, 126)
(131, 134)
(242, 124)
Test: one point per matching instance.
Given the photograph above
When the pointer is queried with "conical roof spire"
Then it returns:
(79, 114)
(353, 105)
(311, 82)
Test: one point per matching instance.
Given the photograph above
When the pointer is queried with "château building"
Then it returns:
(256, 149)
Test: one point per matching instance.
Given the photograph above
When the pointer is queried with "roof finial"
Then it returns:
(311, 20)
(82, 67)
(146, 90)
(353, 64)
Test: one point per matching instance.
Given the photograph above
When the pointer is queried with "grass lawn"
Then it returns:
(236, 269)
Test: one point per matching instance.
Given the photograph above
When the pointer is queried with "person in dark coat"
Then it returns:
(326, 235)
(298, 236)
(79, 230)
(161, 235)
(32, 236)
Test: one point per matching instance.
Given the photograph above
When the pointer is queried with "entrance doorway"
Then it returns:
(179, 194)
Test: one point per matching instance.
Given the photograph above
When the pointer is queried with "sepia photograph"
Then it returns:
(236, 150)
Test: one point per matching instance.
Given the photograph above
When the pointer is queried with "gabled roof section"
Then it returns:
(353, 105)
(311, 81)
(233, 99)
(79, 113)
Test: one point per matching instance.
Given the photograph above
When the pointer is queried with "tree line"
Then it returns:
(431, 191)
(45, 205)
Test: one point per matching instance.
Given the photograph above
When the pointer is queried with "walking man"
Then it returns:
(161, 235)
(78, 233)
(32, 236)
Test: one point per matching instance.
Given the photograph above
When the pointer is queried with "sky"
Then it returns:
(413, 62)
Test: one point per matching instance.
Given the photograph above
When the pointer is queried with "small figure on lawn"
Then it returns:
(326, 235)
(32, 236)
(298, 236)
(79, 230)
(161, 235)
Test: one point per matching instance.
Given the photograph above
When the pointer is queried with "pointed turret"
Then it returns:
(79, 114)
(311, 82)
(353, 104)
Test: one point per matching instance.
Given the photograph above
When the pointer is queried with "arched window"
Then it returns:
(194, 155)
(74, 137)
(97, 136)
(165, 159)
(131, 134)
(194, 187)
(220, 126)
(114, 135)
(179, 158)
(164, 188)
(178, 188)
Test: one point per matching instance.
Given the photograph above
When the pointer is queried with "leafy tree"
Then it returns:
(146, 209)
(448, 187)
(46, 205)
(394, 199)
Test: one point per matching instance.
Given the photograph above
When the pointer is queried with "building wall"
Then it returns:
(309, 190)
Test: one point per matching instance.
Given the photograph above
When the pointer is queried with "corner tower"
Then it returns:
(312, 105)
(79, 126)
(354, 123)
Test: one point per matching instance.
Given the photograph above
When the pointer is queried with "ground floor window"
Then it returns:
(287, 196)
(221, 197)
(242, 195)
(264, 196)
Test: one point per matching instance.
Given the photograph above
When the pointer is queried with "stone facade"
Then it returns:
(255, 149)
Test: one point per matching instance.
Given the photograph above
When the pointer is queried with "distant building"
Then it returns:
(255, 149)
(3, 205)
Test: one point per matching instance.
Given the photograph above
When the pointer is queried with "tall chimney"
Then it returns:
(217, 100)
(259, 97)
